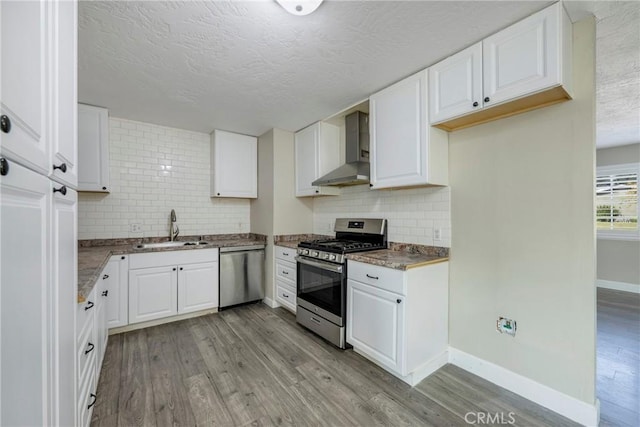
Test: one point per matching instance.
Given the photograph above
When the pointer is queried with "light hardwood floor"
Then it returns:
(618, 356)
(253, 365)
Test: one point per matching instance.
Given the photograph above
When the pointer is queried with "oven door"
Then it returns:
(322, 284)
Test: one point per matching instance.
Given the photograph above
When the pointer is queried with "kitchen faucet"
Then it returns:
(173, 230)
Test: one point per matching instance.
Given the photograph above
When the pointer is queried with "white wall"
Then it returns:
(523, 245)
(144, 190)
(413, 214)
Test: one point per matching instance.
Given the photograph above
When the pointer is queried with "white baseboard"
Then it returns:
(271, 303)
(427, 368)
(156, 322)
(541, 394)
(618, 286)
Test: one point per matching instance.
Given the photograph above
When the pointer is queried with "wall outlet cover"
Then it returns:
(506, 326)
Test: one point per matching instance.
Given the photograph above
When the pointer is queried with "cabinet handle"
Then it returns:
(62, 190)
(285, 253)
(486, 99)
(105, 277)
(105, 293)
(88, 306)
(475, 104)
(4, 166)
(90, 348)
(398, 300)
(372, 277)
(93, 402)
(314, 319)
(5, 123)
(286, 273)
(285, 295)
(62, 167)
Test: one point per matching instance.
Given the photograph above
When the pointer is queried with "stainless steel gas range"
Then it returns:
(322, 275)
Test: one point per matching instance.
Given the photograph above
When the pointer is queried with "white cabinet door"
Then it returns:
(455, 84)
(376, 324)
(522, 58)
(197, 287)
(64, 303)
(25, 203)
(152, 293)
(398, 133)
(234, 159)
(93, 148)
(117, 311)
(317, 152)
(64, 150)
(100, 320)
(24, 84)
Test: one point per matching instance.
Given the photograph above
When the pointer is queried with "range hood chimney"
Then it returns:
(356, 169)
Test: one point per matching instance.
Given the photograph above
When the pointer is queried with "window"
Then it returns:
(617, 201)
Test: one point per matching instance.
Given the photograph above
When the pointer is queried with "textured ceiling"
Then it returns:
(248, 66)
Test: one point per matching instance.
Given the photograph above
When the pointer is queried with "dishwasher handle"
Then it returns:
(242, 248)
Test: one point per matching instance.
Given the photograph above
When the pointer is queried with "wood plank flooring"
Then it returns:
(618, 356)
(253, 365)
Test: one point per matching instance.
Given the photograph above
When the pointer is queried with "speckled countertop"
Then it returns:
(93, 255)
(400, 256)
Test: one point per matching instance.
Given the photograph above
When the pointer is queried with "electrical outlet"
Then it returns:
(437, 234)
(135, 228)
(506, 326)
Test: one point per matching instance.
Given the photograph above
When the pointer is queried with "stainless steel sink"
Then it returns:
(170, 244)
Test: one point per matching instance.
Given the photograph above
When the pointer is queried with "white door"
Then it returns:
(397, 121)
(522, 58)
(197, 287)
(93, 148)
(376, 324)
(117, 312)
(64, 140)
(235, 165)
(64, 301)
(25, 203)
(455, 85)
(25, 27)
(306, 160)
(152, 293)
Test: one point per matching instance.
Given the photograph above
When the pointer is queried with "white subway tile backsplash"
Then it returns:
(413, 214)
(155, 169)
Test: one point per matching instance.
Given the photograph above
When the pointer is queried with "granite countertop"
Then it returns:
(292, 240)
(93, 255)
(403, 256)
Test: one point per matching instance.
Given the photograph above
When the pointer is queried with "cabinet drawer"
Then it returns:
(85, 311)
(86, 400)
(379, 277)
(285, 295)
(86, 353)
(285, 254)
(286, 271)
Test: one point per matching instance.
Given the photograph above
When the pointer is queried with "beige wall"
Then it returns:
(618, 259)
(277, 210)
(523, 243)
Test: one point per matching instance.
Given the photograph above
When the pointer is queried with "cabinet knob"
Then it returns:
(487, 99)
(370, 185)
(90, 348)
(4, 166)
(217, 194)
(62, 190)
(88, 306)
(174, 269)
(105, 293)
(5, 123)
(123, 257)
(181, 268)
(317, 191)
(398, 300)
(104, 188)
(475, 104)
(105, 277)
(62, 167)
(93, 400)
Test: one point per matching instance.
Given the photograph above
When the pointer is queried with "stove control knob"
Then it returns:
(332, 258)
(315, 254)
(325, 256)
(305, 252)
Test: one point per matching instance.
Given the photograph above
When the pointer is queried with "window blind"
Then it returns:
(617, 201)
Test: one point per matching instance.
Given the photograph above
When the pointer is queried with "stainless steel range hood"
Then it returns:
(356, 169)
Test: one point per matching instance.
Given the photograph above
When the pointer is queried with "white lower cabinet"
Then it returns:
(165, 284)
(285, 277)
(117, 288)
(399, 319)
(91, 344)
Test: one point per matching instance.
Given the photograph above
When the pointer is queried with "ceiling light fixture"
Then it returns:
(299, 7)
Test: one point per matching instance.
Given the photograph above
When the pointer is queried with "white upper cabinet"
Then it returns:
(93, 148)
(234, 163)
(525, 66)
(24, 107)
(405, 151)
(317, 152)
(455, 84)
(64, 141)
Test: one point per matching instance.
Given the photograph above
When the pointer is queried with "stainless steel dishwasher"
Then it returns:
(241, 275)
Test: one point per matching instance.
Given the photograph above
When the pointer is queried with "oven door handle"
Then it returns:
(320, 264)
